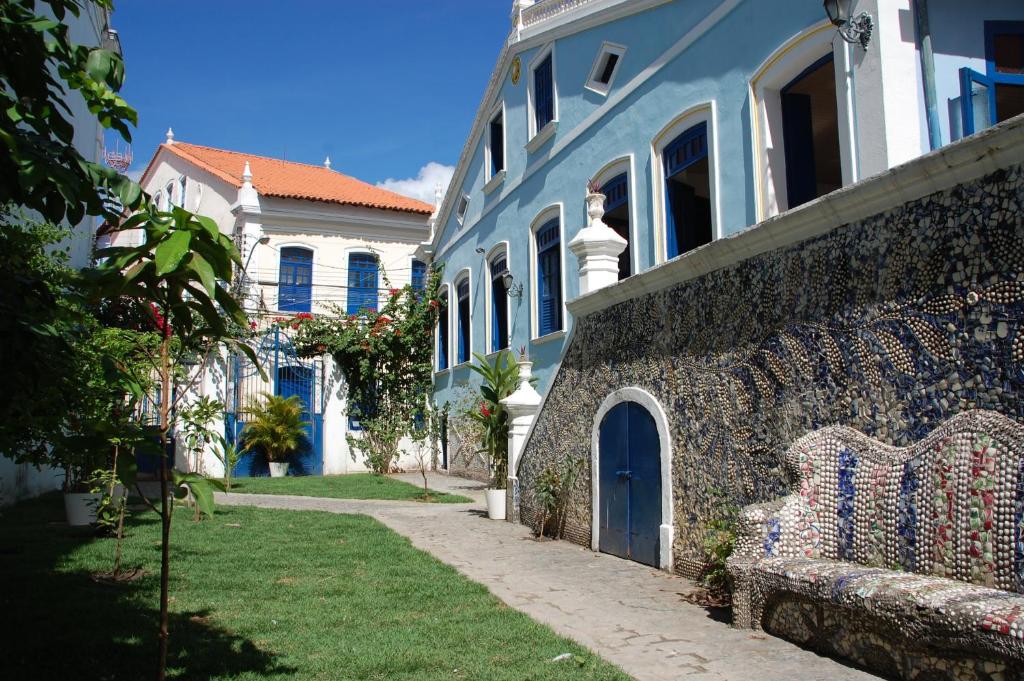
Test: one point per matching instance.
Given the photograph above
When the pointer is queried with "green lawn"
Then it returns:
(259, 594)
(354, 486)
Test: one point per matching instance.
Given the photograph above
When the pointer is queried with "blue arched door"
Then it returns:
(629, 477)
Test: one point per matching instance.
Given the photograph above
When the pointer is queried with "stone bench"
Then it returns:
(908, 561)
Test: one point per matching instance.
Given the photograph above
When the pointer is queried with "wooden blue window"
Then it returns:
(462, 292)
(549, 279)
(998, 94)
(295, 280)
(419, 275)
(543, 94)
(687, 191)
(443, 324)
(497, 144)
(499, 304)
(362, 282)
(616, 215)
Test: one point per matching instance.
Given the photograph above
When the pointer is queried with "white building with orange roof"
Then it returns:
(310, 238)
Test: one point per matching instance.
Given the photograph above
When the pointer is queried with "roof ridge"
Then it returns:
(266, 158)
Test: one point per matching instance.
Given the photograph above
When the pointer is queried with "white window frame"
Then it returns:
(464, 274)
(707, 113)
(552, 211)
(495, 178)
(461, 208)
(169, 195)
(607, 48)
(538, 137)
(502, 247)
(777, 71)
(182, 186)
(625, 164)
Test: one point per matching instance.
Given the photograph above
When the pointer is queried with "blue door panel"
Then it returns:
(614, 499)
(629, 476)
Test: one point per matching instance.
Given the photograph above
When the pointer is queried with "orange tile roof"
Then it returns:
(291, 180)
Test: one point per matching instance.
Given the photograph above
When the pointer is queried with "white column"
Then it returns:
(249, 223)
(597, 248)
(522, 406)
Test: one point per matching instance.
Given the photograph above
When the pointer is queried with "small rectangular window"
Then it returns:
(497, 144)
(460, 211)
(603, 71)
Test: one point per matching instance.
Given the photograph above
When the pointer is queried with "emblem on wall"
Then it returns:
(516, 69)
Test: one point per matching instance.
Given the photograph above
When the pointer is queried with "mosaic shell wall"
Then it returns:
(889, 325)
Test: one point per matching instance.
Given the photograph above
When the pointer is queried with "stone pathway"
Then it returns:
(628, 613)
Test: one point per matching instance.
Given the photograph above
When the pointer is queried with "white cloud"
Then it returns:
(422, 186)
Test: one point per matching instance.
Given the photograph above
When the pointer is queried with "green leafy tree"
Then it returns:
(500, 379)
(387, 361)
(275, 427)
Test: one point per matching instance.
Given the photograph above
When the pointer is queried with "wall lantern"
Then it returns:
(513, 289)
(853, 29)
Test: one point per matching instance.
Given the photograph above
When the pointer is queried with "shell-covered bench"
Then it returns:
(909, 561)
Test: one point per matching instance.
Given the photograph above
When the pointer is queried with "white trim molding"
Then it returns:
(607, 48)
(666, 531)
(707, 113)
(532, 131)
(489, 174)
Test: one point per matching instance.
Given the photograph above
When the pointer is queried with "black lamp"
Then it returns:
(513, 289)
(852, 29)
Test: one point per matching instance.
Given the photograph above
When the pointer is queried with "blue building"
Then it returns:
(696, 119)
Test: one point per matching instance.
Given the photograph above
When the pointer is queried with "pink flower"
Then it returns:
(394, 292)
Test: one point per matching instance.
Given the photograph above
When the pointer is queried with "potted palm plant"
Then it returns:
(499, 380)
(276, 428)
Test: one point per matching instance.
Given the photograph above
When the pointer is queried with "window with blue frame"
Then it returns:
(499, 303)
(443, 325)
(465, 343)
(543, 94)
(616, 215)
(687, 191)
(362, 282)
(419, 275)
(295, 280)
(998, 94)
(549, 278)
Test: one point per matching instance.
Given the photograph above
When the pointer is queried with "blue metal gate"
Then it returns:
(629, 475)
(288, 375)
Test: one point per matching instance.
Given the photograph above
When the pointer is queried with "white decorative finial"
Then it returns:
(438, 194)
(170, 136)
(247, 174)
(327, 163)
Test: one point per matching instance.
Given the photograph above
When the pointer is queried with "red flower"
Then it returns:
(383, 319)
(394, 292)
(398, 332)
(304, 315)
(434, 304)
(484, 411)
(252, 325)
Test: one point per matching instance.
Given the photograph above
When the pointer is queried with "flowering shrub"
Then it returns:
(386, 359)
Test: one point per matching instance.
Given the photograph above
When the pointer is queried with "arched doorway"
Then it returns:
(629, 475)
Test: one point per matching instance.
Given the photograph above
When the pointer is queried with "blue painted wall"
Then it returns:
(717, 66)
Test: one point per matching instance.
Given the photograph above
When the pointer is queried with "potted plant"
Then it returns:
(276, 428)
(499, 380)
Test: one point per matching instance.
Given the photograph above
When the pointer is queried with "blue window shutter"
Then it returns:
(616, 192)
(549, 279)
(543, 94)
(680, 154)
(295, 280)
(464, 340)
(419, 275)
(499, 304)
(443, 324)
(362, 282)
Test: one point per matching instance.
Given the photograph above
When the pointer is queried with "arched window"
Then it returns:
(499, 302)
(465, 342)
(362, 282)
(419, 275)
(182, 190)
(687, 191)
(444, 322)
(616, 215)
(549, 278)
(295, 280)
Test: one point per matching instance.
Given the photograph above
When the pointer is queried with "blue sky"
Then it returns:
(384, 87)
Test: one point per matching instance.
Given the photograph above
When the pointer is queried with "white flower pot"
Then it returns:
(278, 469)
(80, 507)
(495, 504)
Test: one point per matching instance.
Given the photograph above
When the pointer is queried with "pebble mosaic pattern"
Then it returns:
(889, 325)
(956, 589)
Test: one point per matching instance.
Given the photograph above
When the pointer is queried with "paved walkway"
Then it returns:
(628, 613)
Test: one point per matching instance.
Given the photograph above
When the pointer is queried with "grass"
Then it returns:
(259, 594)
(353, 486)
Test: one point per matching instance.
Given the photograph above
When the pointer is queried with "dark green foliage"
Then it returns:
(719, 542)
